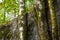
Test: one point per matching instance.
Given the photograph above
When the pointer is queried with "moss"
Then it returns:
(53, 20)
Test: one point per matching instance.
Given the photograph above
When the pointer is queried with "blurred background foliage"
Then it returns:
(9, 9)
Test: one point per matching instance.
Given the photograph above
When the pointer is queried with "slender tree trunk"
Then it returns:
(48, 19)
(53, 20)
(22, 20)
(40, 15)
(44, 22)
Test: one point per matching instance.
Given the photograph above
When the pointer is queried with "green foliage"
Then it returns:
(1, 15)
(29, 5)
(8, 10)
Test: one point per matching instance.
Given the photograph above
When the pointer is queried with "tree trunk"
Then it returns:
(53, 20)
(40, 15)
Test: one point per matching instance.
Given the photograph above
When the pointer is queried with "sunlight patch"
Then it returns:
(1, 1)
